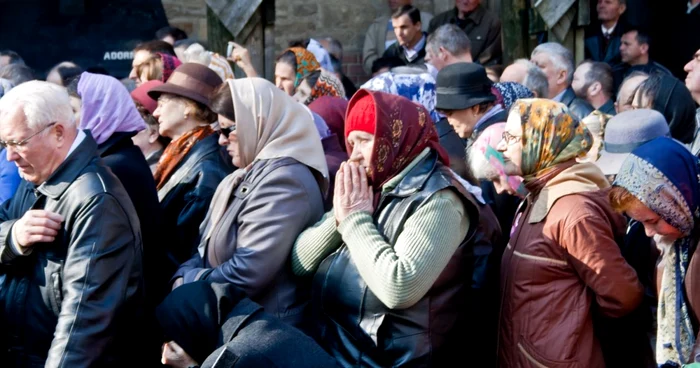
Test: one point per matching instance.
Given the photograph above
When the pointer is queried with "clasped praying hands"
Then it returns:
(352, 192)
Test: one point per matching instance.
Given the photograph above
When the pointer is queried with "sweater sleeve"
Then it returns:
(314, 245)
(400, 275)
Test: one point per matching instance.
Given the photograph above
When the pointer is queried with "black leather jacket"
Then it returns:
(358, 329)
(186, 195)
(74, 302)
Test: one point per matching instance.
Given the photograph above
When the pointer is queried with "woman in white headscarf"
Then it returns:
(260, 209)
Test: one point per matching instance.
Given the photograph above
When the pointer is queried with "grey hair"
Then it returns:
(451, 38)
(41, 102)
(535, 79)
(480, 167)
(561, 57)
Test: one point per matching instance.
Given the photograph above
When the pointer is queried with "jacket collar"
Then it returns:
(608, 108)
(70, 169)
(579, 178)
(568, 96)
(414, 176)
(116, 142)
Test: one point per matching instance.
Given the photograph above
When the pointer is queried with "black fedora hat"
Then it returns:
(194, 81)
(460, 86)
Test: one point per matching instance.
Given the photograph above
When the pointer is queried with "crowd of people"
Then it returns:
(444, 213)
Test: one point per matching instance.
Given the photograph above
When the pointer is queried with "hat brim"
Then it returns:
(177, 91)
(460, 102)
(610, 163)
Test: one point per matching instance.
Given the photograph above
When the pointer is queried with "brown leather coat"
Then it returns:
(562, 261)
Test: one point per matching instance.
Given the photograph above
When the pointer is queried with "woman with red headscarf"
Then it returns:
(391, 259)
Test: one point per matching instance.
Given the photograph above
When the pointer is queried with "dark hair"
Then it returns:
(312, 78)
(156, 46)
(300, 43)
(288, 57)
(68, 73)
(386, 62)
(602, 73)
(642, 37)
(413, 13)
(13, 56)
(221, 101)
(174, 32)
(337, 65)
(17, 73)
(98, 70)
(72, 86)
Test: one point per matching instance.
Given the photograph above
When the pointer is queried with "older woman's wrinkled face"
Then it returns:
(512, 145)
(170, 114)
(229, 139)
(362, 146)
(653, 223)
(285, 76)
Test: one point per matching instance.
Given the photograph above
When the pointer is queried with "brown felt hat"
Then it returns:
(194, 81)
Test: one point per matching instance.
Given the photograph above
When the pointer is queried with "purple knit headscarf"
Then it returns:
(107, 107)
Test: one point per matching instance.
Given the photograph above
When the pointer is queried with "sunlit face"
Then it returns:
(76, 104)
(630, 50)
(467, 6)
(556, 79)
(653, 223)
(513, 147)
(435, 58)
(362, 145)
(139, 58)
(609, 10)
(462, 121)
(39, 157)
(170, 114)
(407, 33)
(285, 76)
(692, 81)
(230, 141)
(303, 92)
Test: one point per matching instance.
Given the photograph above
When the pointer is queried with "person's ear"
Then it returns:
(645, 48)
(595, 88)
(562, 78)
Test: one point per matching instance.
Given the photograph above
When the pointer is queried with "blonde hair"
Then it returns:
(152, 68)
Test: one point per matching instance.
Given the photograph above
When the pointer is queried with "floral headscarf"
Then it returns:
(508, 92)
(306, 63)
(665, 177)
(402, 131)
(551, 136)
(485, 146)
(417, 87)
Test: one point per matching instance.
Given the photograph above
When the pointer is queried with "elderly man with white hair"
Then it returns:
(525, 72)
(557, 63)
(70, 242)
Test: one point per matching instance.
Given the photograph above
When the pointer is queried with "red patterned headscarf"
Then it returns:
(402, 130)
(306, 63)
(170, 63)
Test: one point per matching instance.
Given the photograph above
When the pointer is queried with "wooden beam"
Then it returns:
(217, 34)
(514, 32)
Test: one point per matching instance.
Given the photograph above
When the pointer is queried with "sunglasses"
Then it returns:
(227, 131)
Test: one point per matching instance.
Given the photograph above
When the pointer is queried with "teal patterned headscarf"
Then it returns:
(306, 63)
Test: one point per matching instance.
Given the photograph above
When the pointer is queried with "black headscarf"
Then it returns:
(193, 313)
(671, 98)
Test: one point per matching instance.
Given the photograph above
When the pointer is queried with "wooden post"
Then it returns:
(514, 32)
(217, 34)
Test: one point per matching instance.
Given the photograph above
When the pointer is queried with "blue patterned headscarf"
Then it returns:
(508, 92)
(665, 177)
(417, 87)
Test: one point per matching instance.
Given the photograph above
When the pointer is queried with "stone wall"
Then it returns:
(346, 21)
(188, 15)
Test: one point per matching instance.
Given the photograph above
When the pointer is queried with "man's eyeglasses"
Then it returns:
(509, 138)
(25, 140)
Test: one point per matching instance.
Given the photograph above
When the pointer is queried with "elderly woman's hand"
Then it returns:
(352, 192)
(175, 356)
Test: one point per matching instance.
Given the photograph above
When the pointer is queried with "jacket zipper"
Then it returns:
(529, 357)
